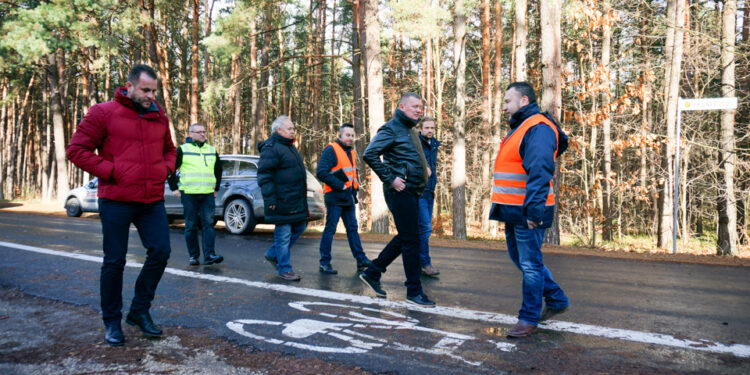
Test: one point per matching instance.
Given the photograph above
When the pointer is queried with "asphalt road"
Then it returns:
(626, 316)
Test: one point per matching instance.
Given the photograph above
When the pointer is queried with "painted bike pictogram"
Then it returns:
(339, 328)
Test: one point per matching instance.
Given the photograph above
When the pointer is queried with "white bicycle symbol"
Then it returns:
(347, 328)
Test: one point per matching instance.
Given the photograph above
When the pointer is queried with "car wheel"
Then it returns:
(239, 217)
(73, 207)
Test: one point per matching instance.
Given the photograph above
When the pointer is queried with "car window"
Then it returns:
(227, 168)
(247, 169)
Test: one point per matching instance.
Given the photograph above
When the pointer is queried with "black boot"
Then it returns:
(144, 322)
(114, 336)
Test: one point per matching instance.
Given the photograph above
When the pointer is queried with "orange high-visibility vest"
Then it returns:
(509, 183)
(349, 167)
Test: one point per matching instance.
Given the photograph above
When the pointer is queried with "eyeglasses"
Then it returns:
(200, 132)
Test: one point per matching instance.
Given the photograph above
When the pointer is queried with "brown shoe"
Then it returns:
(430, 271)
(521, 329)
(291, 276)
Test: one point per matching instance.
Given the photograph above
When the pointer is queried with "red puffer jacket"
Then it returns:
(136, 152)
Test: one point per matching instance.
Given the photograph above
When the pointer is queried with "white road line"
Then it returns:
(740, 350)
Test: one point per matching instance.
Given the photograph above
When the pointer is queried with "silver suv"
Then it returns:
(239, 202)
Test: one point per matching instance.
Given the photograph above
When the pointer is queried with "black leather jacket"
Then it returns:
(401, 156)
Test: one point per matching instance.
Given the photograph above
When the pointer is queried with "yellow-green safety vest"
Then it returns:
(197, 169)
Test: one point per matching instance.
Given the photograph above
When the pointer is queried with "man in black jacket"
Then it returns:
(337, 169)
(283, 182)
(404, 173)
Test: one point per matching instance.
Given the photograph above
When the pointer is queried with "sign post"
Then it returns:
(706, 104)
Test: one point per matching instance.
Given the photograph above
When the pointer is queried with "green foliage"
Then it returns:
(223, 40)
(419, 19)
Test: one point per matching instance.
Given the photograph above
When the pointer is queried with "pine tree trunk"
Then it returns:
(59, 126)
(519, 41)
(376, 117)
(3, 118)
(550, 11)
(162, 63)
(458, 181)
(236, 101)
(727, 236)
(261, 117)
(254, 75)
(194, 84)
(607, 212)
(207, 58)
(487, 165)
(358, 115)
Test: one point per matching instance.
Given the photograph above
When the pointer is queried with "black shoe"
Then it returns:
(549, 313)
(194, 261)
(328, 269)
(271, 260)
(374, 285)
(114, 335)
(421, 299)
(144, 322)
(213, 259)
(361, 266)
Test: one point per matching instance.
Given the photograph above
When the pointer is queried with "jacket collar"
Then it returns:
(523, 113)
(404, 119)
(284, 141)
(121, 96)
(432, 142)
(193, 141)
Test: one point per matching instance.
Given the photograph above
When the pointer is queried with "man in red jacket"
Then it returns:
(135, 156)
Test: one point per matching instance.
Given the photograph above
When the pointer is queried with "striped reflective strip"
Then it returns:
(511, 176)
(196, 175)
(191, 153)
(508, 190)
(198, 183)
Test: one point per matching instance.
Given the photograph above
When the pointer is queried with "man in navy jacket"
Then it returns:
(337, 169)
(430, 146)
(523, 198)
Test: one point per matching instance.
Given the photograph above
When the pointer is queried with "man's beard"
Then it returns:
(139, 102)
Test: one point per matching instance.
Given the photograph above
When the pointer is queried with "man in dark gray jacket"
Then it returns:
(404, 173)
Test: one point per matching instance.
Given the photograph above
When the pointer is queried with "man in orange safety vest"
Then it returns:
(337, 169)
(523, 198)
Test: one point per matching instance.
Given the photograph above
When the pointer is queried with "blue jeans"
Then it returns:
(525, 250)
(404, 206)
(199, 207)
(151, 222)
(284, 237)
(349, 216)
(425, 229)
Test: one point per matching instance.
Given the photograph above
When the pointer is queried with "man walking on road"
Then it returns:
(283, 182)
(430, 146)
(199, 179)
(523, 198)
(404, 173)
(135, 156)
(337, 169)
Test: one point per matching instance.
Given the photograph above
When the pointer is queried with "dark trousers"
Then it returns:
(199, 207)
(405, 209)
(349, 215)
(151, 221)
